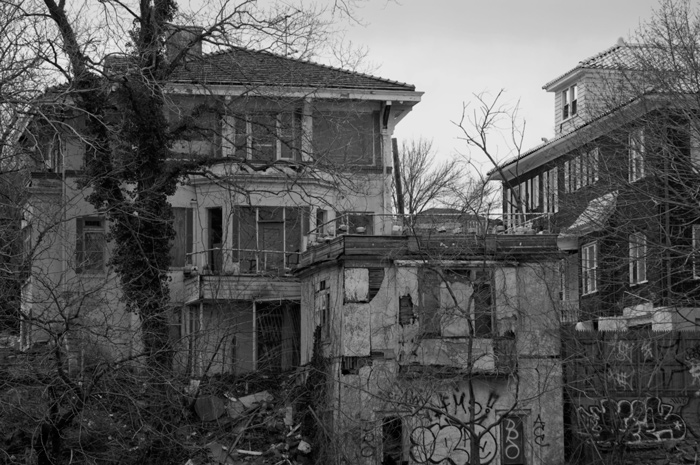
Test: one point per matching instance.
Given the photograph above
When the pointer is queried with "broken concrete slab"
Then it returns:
(209, 408)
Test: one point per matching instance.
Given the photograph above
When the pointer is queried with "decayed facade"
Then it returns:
(414, 328)
(287, 146)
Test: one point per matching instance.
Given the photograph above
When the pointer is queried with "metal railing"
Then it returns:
(429, 223)
(231, 261)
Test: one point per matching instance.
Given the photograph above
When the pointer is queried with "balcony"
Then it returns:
(221, 274)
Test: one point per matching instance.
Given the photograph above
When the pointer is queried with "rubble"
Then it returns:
(251, 427)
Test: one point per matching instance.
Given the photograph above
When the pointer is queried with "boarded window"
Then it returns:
(429, 290)
(513, 440)
(181, 244)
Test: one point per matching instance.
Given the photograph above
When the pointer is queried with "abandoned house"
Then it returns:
(291, 146)
(435, 339)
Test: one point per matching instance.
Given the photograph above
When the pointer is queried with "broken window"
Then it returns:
(406, 316)
(268, 239)
(449, 300)
(392, 440)
(352, 365)
(278, 331)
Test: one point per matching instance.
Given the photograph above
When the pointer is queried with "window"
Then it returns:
(265, 136)
(268, 239)
(513, 440)
(696, 251)
(638, 259)
(589, 268)
(90, 245)
(550, 194)
(346, 137)
(636, 154)
(450, 313)
(581, 171)
(569, 101)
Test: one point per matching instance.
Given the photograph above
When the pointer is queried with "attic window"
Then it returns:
(569, 99)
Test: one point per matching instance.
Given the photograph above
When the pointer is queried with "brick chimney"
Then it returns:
(178, 37)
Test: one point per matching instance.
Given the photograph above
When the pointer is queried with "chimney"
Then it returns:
(178, 37)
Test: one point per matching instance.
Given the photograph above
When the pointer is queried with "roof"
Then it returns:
(594, 217)
(619, 56)
(240, 66)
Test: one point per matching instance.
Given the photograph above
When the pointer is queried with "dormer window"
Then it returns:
(569, 99)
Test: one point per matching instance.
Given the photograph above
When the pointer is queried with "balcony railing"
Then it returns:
(429, 224)
(218, 261)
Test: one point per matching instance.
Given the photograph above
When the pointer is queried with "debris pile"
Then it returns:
(256, 428)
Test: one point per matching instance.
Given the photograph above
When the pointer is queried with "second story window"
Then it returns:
(569, 102)
(90, 245)
(589, 268)
(638, 258)
(550, 191)
(581, 171)
(265, 136)
(636, 154)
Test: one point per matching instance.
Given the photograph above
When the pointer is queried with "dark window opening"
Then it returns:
(392, 441)
(90, 245)
(352, 365)
(376, 276)
(216, 237)
(406, 316)
(278, 332)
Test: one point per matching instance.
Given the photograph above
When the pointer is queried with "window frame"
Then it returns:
(81, 252)
(569, 102)
(285, 143)
(589, 274)
(637, 150)
(637, 258)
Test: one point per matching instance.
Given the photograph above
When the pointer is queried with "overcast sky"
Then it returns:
(450, 49)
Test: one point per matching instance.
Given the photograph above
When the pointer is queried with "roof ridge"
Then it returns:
(308, 62)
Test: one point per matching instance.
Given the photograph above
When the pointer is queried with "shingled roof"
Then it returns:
(621, 56)
(240, 66)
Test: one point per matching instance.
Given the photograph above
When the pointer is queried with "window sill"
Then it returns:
(589, 293)
(641, 282)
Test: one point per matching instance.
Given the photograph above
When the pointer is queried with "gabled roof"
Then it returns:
(621, 56)
(240, 66)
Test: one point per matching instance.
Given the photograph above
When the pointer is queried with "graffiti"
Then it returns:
(368, 440)
(635, 422)
(512, 436)
(646, 350)
(450, 444)
(538, 432)
(622, 350)
(440, 437)
(619, 378)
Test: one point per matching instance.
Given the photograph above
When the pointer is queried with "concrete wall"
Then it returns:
(383, 369)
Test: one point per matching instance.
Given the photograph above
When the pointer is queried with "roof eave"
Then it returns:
(410, 97)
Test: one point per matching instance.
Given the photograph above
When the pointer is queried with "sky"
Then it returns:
(453, 49)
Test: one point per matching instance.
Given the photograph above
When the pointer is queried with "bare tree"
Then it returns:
(425, 183)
